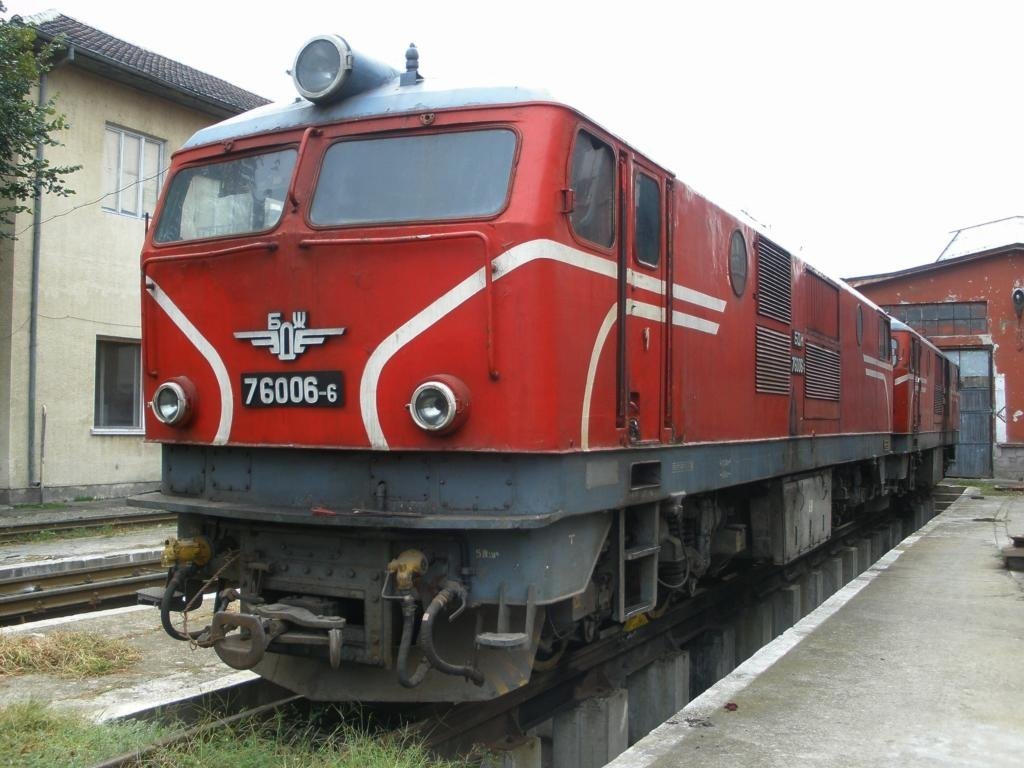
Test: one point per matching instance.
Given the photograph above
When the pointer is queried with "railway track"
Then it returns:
(97, 581)
(15, 531)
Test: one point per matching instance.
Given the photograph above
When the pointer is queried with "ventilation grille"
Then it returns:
(822, 302)
(774, 364)
(774, 281)
(940, 387)
(821, 373)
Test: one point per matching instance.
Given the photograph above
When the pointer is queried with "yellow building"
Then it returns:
(70, 370)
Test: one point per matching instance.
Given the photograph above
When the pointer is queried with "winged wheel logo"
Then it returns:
(288, 339)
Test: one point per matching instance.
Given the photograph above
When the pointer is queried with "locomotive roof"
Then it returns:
(389, 99)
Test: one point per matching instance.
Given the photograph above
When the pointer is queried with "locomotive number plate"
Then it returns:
(309, 389)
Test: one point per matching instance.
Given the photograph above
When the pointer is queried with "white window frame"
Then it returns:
(140, 405)
(115, 201)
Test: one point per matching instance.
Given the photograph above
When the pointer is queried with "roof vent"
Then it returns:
(412, 75)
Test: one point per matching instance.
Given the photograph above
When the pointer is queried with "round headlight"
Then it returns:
(171, 403)
(321, 67)
(433, 406)
(440, 404)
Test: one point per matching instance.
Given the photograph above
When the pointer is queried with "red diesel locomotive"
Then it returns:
(927, 391)
(416, 352)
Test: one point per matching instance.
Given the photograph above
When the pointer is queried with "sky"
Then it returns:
(858, 134)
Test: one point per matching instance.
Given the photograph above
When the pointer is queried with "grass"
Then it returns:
(281, 743)
(67, 654)
(33, 736)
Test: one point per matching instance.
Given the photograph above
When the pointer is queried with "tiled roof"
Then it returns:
(151, 66)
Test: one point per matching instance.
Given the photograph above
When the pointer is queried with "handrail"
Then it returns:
(312, 242)
(264, 245)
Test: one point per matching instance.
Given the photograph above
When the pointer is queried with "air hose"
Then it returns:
(177, 580)
(430, 656)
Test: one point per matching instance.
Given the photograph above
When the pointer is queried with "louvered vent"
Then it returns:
(940, 387)
(774, 281)
(821, 373)
(774, 365)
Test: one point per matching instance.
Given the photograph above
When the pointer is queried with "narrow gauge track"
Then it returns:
(86, 587)
(17, 530)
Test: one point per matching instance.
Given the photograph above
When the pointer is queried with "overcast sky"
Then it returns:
(860, 133)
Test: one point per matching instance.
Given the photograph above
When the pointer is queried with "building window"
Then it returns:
(118, 386)
(948, 318)
(132, 171)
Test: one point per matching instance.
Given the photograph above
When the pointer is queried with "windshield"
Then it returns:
(226, 198)
(414, 178)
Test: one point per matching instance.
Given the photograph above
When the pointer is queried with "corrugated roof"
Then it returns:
(984, 237)
(150, 66)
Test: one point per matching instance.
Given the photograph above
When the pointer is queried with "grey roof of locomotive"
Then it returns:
(389, 99)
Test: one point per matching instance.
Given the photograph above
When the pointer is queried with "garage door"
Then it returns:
(974, 449)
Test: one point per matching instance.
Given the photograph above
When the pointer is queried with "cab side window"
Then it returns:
(592, 178)
(647, 241)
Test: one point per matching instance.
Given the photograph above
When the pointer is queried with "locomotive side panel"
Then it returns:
(716, 392)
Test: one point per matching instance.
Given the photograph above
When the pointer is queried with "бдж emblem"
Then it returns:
(288, 340)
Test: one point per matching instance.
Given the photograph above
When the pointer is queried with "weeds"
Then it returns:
(66, 654)
(283, 743)
(34, 736)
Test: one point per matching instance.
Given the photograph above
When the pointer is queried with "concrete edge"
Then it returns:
(161, 693)
(35, 626)
(31, 568)
(662, 740)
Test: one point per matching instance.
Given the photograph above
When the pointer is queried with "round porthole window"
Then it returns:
(738, 263)
(860, 324)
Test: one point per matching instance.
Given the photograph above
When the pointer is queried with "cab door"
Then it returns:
(643, 287)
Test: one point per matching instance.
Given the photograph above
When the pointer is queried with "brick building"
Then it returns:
(970, 303)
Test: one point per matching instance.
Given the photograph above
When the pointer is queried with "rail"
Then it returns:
(87, 586)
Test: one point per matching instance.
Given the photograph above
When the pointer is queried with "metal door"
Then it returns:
(974, 447)
(642, 282)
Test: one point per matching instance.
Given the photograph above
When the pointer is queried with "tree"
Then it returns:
(25, 124)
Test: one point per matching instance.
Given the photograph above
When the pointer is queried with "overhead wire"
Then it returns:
(97, 201)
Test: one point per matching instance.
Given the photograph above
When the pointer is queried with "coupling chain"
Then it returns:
(199, 593)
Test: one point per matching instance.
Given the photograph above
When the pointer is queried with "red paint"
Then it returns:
(523, 342)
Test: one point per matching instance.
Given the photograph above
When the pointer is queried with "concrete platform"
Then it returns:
(919, 661)
(149, 540)
(65, 511)
(168, 672)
